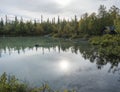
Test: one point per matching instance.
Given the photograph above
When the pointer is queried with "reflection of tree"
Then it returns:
(0, 53)
(19, 44)
(101, 59)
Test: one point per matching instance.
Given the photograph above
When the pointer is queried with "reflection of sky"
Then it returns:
(61, 70)
(50, 63)
(64, 65)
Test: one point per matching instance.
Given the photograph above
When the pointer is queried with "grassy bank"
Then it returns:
(12, 84)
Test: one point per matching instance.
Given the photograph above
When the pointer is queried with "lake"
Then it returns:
(63, 64)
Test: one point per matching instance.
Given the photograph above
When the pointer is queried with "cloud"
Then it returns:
(46, 6)
(50, 8)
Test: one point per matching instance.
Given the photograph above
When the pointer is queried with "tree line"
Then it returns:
(88, 25)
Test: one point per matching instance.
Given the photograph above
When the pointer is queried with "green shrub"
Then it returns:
(109, 45)
(12, 84)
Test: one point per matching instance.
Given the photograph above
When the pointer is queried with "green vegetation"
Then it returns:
(109, 45)
(12, 84)
(87, 26)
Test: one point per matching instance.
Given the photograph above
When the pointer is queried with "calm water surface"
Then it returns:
(61, 63)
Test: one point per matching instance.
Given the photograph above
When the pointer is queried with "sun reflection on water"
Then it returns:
(64, 65)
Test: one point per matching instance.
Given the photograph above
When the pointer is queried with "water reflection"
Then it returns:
(64, 63)
(20, 45)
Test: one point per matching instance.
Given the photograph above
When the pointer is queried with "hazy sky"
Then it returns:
(52, 8)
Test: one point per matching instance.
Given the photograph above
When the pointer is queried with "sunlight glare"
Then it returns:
(64, 65)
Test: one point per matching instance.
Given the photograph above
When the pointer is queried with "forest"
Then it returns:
(88, 25)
